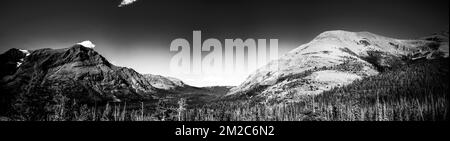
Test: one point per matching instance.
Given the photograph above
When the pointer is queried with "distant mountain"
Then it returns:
(165, 83)
(334, 59)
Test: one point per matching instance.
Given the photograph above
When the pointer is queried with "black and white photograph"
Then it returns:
(217, 61)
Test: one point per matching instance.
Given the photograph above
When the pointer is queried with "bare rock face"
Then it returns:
(334, 59)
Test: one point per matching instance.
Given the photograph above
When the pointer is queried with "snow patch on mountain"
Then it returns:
(87, 44)
(27, 53)
(20, 62)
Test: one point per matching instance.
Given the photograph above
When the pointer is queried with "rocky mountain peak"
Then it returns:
(315, 66)
(87, 56)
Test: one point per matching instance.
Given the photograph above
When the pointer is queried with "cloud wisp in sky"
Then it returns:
(126, 2)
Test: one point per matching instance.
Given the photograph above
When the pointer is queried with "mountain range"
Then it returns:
(332, 59)
(82, 74)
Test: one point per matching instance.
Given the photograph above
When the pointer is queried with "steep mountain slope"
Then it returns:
(334, 59)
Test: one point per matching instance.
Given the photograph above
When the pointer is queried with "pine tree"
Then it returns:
(181, 107)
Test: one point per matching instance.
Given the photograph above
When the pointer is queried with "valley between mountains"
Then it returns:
(338, 76)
